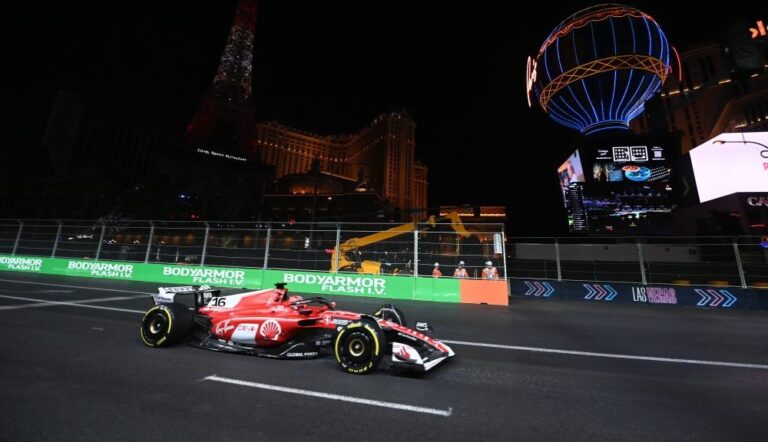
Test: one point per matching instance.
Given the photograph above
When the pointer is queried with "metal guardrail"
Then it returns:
(716, 261)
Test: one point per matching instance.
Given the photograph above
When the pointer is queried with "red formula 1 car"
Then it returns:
(271, 323)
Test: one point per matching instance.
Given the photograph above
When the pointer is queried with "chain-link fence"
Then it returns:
(404, 249)
(719, 261)
(410, 249)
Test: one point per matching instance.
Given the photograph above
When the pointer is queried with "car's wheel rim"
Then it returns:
(156, 325)
(356, 347)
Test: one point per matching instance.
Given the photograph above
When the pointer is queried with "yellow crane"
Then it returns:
(353, 245)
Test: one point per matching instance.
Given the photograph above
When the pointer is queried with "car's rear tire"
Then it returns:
(166, 324)
(359, 347)
(391, 313)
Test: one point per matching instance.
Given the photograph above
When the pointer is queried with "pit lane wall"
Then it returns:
(316, 283)
(721, 298)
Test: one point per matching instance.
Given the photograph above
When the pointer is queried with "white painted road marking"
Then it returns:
(16, 281)
(609, 355)
(76, 303)
(334, 397)
(466, 343)
(37, 291)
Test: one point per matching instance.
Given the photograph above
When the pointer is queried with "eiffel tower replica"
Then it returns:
(225, 118)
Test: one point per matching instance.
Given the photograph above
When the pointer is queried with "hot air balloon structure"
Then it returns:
(598, 67)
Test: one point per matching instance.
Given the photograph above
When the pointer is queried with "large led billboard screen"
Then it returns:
(627, 187)
(731, 163)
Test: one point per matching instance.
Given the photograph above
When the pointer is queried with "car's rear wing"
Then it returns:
(202, 294)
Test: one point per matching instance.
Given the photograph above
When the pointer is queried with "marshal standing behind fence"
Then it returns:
(490, 272)
(461, 271)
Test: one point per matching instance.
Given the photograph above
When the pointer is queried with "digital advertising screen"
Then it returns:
(570, 171)
(627, 187)
(731, 163)
(635, 163)
(627, 208)
(570, 175)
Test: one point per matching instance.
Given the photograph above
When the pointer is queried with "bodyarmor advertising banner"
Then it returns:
(315, 283)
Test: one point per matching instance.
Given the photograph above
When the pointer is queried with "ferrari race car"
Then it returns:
(270, 323)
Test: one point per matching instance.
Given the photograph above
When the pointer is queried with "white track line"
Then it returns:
(335, 397)
(610, 355)
(76, 287)
(45, 302)
(466, 343)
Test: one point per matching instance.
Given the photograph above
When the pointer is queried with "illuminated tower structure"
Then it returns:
(217, 146)
(225, 120)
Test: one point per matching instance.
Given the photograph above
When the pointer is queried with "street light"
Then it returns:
(763, 153)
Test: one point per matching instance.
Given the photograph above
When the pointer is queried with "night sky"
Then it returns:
(331, 67)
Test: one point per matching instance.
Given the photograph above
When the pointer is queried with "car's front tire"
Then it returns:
(166, 324)
(359, 347)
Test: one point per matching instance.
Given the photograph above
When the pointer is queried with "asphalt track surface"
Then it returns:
(72, 367)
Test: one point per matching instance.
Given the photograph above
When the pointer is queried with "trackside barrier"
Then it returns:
(723, 298)
(319, 283)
